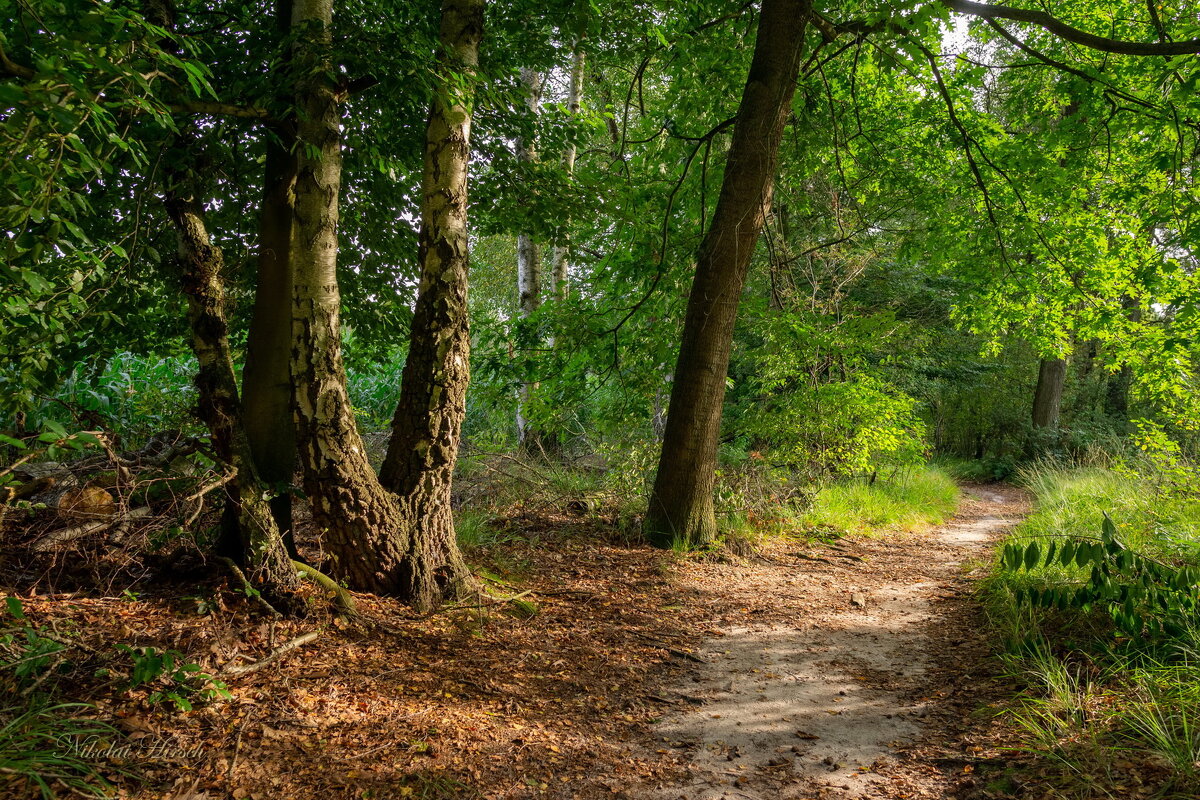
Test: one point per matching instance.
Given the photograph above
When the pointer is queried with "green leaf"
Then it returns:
(1033, 555)
(14, 607)
(1108, 529)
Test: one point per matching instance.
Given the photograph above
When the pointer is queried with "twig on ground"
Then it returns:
(273, 656)
(249, 590)
(807, 557)
(496, 601)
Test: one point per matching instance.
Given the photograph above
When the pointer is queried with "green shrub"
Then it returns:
(1099, 617)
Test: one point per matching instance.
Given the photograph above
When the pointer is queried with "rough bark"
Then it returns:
(529, 267)
(1047, 397)
(401, 545)
(423, 449)
(266, 376)
(262, 550)
(681, 505)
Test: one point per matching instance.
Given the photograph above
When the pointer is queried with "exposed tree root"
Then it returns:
(342, 599)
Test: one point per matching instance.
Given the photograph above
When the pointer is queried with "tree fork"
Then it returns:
(402, 546)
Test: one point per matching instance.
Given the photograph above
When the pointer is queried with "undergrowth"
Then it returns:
(912, 499)
(1096, 618)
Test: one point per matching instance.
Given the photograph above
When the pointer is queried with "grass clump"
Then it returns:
(1106, 645)
(913, 499)
(44, 750)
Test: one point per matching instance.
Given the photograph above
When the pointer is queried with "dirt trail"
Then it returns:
(833, 695)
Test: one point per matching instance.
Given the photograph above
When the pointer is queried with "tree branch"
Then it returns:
(1070, 34)
(10, 67)
(220, 110)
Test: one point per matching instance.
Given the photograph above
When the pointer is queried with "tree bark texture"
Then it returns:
(403, 546)
(266, 376)
(1047, 397)
(263, 553)
(419, 465)
(681, 505)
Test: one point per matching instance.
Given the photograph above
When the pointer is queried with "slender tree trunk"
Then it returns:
(681, 505)
(427, 425)
(1116, 394)
(266, 376)
(402, 545)
(529, 267)
(560, 266)
(262, 549)
(1047, 397)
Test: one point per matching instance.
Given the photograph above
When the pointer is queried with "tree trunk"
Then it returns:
(681, 505)
(421, 455)
(263, 553)
(560, 256)
(266, 376)
(403, 545)
(529, 268)
(1047, 397)
(1116, 395)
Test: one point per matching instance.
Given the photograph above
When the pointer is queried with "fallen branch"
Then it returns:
(680, 653)
(495, 601)
(57, 537)
(275, 655)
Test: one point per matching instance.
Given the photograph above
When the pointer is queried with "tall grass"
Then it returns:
(1092, 696)
(915, 498)
(40, 753)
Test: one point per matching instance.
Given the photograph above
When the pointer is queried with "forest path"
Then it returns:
(859, 682)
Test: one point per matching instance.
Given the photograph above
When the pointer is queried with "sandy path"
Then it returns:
(828, 697)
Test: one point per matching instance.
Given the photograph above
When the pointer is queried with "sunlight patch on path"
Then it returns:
(789, 711)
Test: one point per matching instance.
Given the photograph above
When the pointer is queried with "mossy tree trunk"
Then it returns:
(263, 554)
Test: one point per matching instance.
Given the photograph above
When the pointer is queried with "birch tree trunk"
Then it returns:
(529, 265)
(403, 546)
(560, 256)
(267, 563)
(681, 505)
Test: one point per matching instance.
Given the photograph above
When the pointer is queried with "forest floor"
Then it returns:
(856, 668)
(868, 679)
